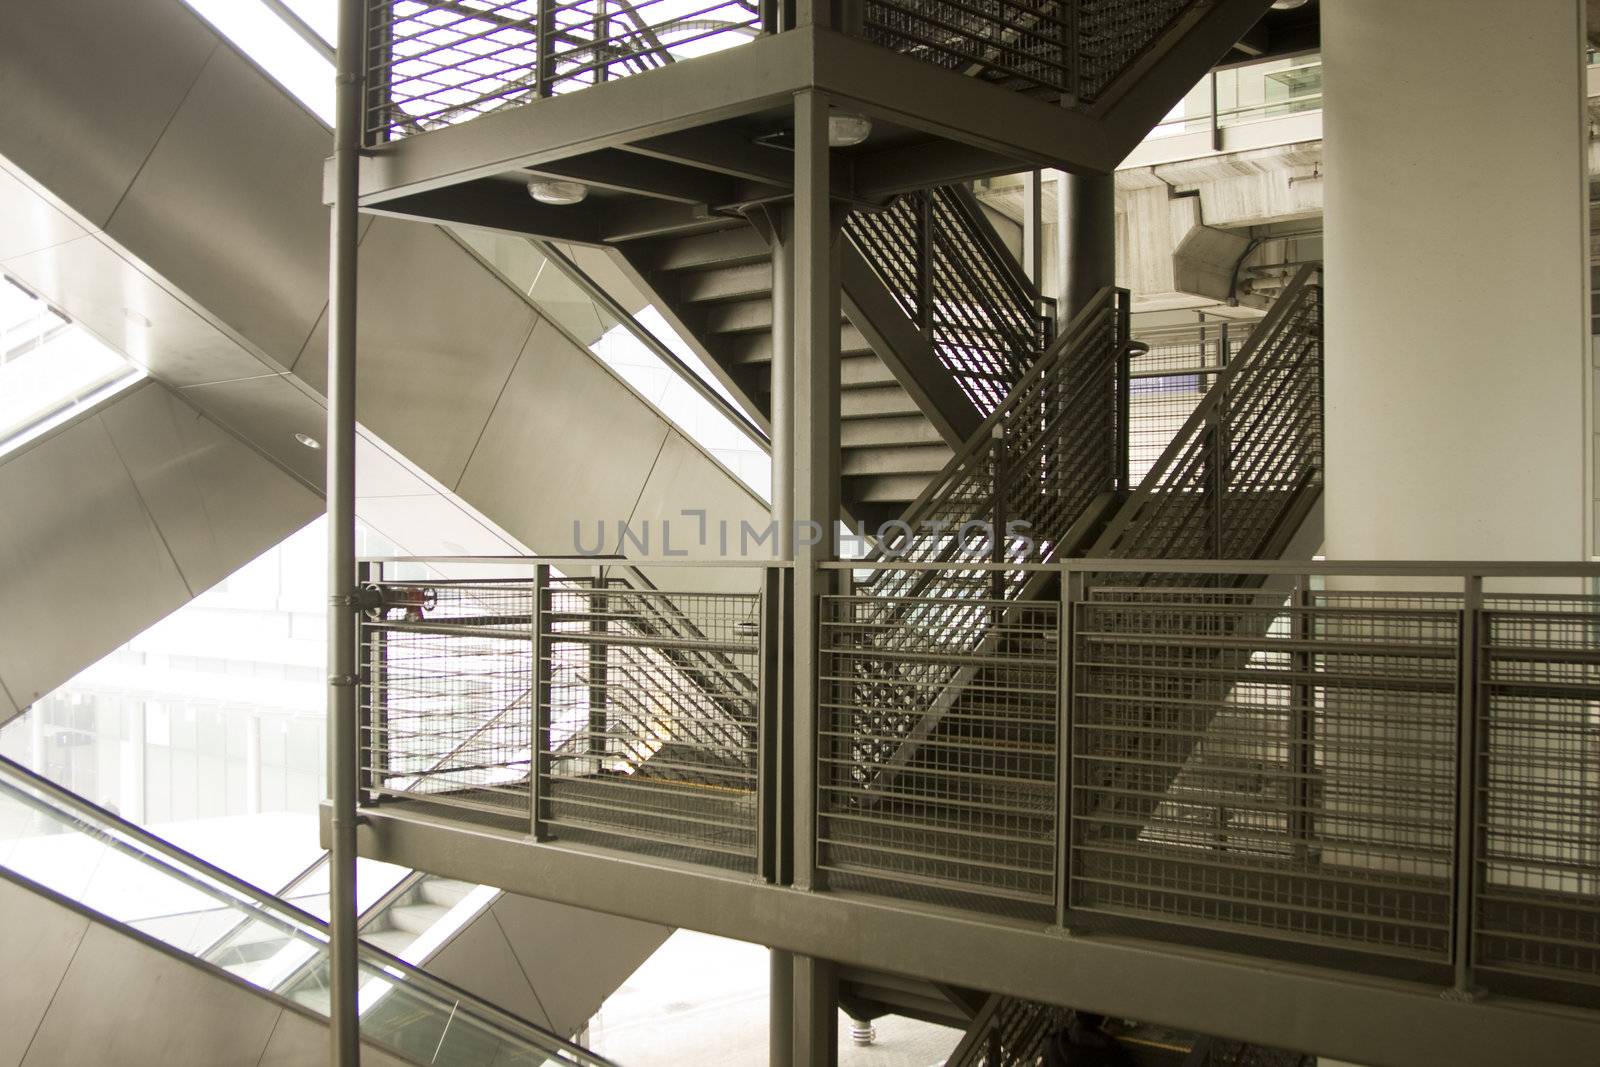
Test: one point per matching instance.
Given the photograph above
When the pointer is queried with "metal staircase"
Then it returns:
(938, 322)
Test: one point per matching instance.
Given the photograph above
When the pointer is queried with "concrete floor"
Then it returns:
(703, 1000)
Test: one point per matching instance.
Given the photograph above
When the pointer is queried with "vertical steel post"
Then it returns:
(544, 45)
(1216, 124)
(997, 543)
(816, 1013)
(772, 779)
(599, 676)
(1033, 234)
(343, 606)
(1071, 594)
(1466, 850)
(1303, 729)
(925, 291)
(782, 377)
(815, 428)
(543, 667)
(780, 1008)
(814, 425)
(1124, 458)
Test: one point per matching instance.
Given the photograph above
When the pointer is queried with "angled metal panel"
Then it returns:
(85, 566)
(114, 299)
(268, 412)
(40, 940)
(550, 963)
(567, 442)
(89, 86)
(439, 335)
(240, 229)
(217, 502)
(31, 222)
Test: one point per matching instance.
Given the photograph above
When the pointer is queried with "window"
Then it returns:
(50, 368)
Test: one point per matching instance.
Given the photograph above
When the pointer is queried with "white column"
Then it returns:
(1458, 380)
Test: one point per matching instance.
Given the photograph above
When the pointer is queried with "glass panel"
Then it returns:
(260, 34)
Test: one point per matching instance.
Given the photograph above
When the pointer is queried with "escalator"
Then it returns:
(80, 858)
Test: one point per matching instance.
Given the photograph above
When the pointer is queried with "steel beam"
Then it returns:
(659, 179)
(758, 76)
(343, 749)
(736, 155)
(1349, 1016)
(501, 207)
(947, 104)
(889, 171)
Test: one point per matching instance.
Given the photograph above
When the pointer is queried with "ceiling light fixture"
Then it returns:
(1288, 5)
(557, 191)
(846, 129)
(309, 441)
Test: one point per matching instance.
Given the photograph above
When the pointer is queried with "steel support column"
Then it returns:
(1086, 239)
(780, 1008)
(816, 1013)
(343, 607)
(1033, 231)
(814, 426)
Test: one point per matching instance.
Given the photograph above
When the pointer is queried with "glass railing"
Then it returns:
(57, 840)
(1235, 96)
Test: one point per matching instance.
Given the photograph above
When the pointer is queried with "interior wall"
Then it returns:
(1458, 380)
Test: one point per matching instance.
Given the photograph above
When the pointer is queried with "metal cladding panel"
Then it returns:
(85, 566)
(89, 86)
(216, 501)
(573, 958)
(123, 1001)
(41, 937)
(31, 223)
(685, 478)
(567, 443)
(432, 525)
(268, 412)
(439, 335)
(114, 299)
(229, 207)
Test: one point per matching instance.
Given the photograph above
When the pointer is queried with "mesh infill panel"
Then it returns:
(448, 696)
(1168, 382)
(962, 696)
(1538, 875)
(434, 63)
(1279, 766)
(1074, 49)
(652, 731)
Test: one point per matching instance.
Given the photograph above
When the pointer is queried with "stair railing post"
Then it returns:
(1124, 460)
(1303, 763)
(544, 46)
(1071, 595)
(599, 671)
(1468, 847)
(539, 765)
(925, 253)
(371, 694)
(997, 539)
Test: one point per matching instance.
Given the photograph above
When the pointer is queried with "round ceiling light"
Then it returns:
(309, 441)
(1288, 5)
(557, 192)
(846, 129)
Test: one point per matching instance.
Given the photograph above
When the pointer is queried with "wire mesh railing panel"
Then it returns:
(1234, 475)
(1268, 763)
(435, 63)
(969, 815)
(1071, 50)
(447, 696)
(982, 321)
(1167, 382)
(651, 735)
(1538, 805)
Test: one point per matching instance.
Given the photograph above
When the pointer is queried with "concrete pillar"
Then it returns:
(1458, 380)
(1086, 239)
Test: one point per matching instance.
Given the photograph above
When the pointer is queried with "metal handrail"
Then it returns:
(187, 866)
